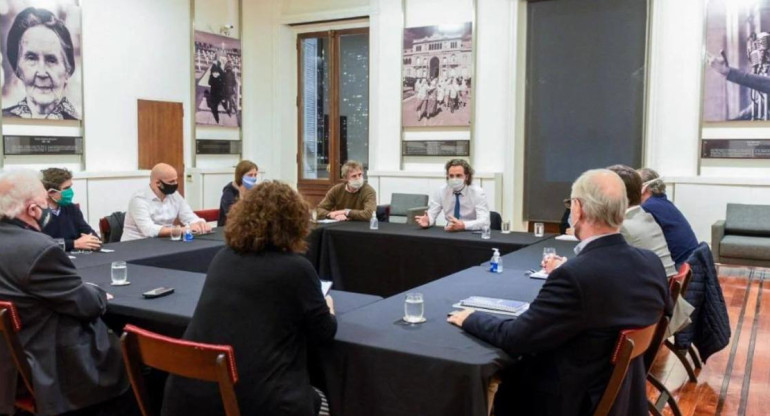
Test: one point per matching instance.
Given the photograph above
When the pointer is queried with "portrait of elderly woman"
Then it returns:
(41, 55)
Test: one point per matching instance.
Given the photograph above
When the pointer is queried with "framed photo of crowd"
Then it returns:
(217, 64)
(41, 59)
(437, 76)
(737, 66)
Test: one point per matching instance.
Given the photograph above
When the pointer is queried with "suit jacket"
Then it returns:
(640, 230)
(75, 360)
(269, 307)
(573, 324)
(68, 225)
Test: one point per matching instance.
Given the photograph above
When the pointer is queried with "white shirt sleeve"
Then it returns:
(482, 211)
(139, 210)
(434, 206)
(186, 214)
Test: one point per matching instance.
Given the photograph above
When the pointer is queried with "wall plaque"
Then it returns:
(735, 149)
(37, 145)
(435, 148)
(218, 147)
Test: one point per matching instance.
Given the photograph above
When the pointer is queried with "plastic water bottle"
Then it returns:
(188, 235)
(373, 223)
(496, 264)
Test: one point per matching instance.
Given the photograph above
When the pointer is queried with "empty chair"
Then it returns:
(10, 325)
(207, 362)
(111, 227)
(402, 207)
(209, 215)
(495, 221)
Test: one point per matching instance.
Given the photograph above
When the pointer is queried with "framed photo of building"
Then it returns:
(41, 59)
(217, 64)
(737, 67)
(437, 76)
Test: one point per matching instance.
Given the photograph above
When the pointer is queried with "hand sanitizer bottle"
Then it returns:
(188, 235)
(373, 223)
(496, 264)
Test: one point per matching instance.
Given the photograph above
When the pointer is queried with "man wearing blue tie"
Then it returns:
(463, 204)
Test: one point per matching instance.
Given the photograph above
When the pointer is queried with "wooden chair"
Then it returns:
(10, 325)
(215, 363)
(631, 344)
(208, 214)
(665, 395)
(683, 277)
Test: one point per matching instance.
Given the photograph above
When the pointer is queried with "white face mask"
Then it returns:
(356, 184)
(456, 184)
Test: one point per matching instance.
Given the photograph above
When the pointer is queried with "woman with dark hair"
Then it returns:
(41, 54)
(245, 178)
(264, 298)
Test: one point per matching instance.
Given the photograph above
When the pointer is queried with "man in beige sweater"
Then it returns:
(351, 200)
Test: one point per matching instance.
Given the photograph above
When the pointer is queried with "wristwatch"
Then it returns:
(347, 212)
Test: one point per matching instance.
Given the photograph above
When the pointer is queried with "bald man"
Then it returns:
(568, 333)
(153, 211)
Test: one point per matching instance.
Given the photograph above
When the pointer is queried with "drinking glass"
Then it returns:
(506, 227)
(539, 229)
(486, 233)
(119, 273)
(548, 252)
(176, 233)
(414, 308)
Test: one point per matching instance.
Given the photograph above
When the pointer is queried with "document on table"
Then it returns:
(540, 274)
(327, 221)
(566, 237)
(326, 286)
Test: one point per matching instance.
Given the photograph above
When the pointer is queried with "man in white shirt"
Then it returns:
(153, 210)
(464, 205)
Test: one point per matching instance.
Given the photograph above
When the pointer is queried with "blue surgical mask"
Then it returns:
(249, 181)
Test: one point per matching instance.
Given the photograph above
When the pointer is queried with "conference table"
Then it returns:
(378, 365)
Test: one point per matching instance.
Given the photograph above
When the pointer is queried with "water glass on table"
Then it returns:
(539, 229)
(547, 253)
(176, 233)
(506, 227)
(414, 308)
(486, 232)
(119, 273)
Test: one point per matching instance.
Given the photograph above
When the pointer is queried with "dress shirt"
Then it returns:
(147, 214)
(583, 243)
(474, 210)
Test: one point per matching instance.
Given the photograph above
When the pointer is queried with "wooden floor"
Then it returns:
(736, 380)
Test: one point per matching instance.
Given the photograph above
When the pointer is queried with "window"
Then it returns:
(333, 105)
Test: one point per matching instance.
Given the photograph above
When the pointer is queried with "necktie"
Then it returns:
(457, 205)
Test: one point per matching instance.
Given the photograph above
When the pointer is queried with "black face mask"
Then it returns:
(167, 188)
(45, 217)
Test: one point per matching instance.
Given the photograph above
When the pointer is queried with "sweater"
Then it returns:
(230, 195)
(679, 235)
(361, 203)
(68, 225)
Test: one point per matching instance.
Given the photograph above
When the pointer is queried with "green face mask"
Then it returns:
(66, 197)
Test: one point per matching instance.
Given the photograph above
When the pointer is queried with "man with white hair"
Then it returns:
(568, 333)
(153, 211)
(75, 360)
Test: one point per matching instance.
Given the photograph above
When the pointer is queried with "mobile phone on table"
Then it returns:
(158, 292)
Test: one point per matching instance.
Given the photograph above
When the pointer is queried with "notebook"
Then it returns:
(495, 305)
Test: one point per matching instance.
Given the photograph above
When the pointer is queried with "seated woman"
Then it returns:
(245, 178)
(679, 235)
(264, 298)
(67, 223)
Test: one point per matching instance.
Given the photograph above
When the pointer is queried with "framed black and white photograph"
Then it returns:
(437, 76)
(737, 73)
(217, 80)
(41, 52)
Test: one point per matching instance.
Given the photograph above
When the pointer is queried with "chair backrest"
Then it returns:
(401, 203)
(10, 325)
(747, 219)
(683, 277)
(111, 227)
(207, 362)
(495, 221)
(208, 214)
(631, 344)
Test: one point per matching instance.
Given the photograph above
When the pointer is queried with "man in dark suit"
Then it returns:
(75, 360)
(568, 333)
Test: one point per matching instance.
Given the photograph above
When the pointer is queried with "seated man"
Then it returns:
(639, 228)
(463, 204)
(679, 235)
(569, 332)
(75, 360)
(350, 200)
(67, 223)
(153, 211)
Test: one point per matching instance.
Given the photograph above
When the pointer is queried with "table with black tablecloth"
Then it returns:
(398, 257)
(381, 366)
(199, 252)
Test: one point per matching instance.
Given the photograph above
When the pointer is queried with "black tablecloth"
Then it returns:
(530, 257)
(381, 366)
(171, 314)
(142, 249)
(398, 257)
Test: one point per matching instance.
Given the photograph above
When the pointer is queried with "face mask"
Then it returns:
(456, 184)
(66, 197)
(167, 188)
(45, 217)
(356, 184)
(249, 181)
